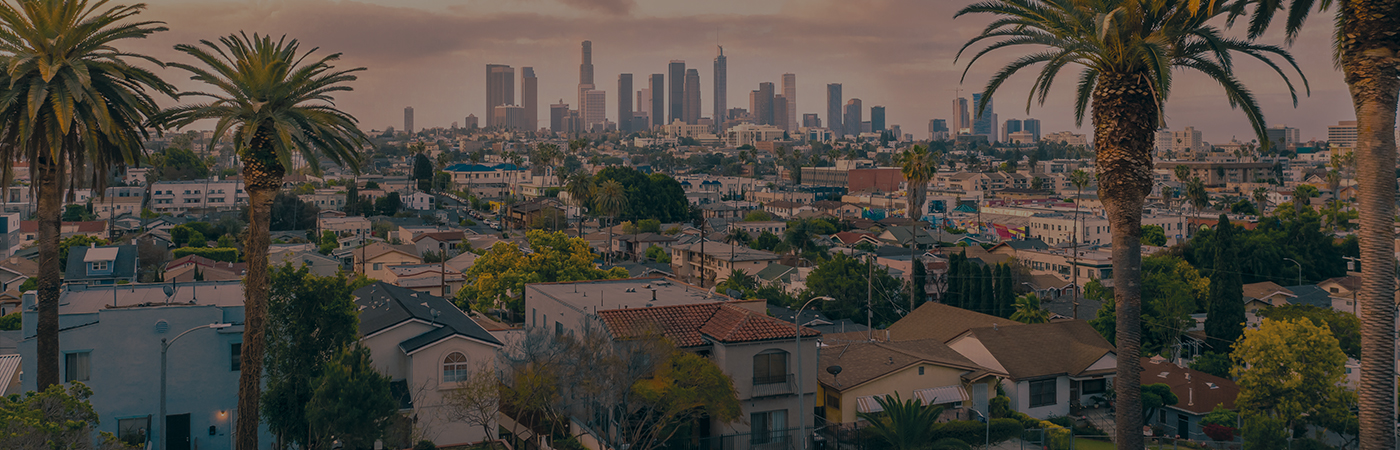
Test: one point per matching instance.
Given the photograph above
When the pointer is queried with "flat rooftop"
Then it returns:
(79, 299)
(603, 295)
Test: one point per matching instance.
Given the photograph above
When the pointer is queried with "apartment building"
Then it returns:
(714, 261)
(178, 196)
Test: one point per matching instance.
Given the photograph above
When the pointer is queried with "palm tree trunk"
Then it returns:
(1368, 60)
(1125, 119)
(49, 213)
(262, 177)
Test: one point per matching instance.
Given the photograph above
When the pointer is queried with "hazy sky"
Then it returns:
(431, 54)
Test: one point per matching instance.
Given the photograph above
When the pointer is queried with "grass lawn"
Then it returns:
(1092, 444)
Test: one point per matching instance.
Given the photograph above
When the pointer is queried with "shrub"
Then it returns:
(1000, 405)
(217, 254)
(1309, 444)
(1005, 429)
(10, 322)
(950, 444)
(1219, 432)
(962, 430)
(425, 445)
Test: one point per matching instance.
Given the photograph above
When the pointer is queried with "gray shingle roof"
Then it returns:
(383, 305)
(124, 267)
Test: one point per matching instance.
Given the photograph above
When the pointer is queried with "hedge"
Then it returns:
(976, 432)
(217, 254)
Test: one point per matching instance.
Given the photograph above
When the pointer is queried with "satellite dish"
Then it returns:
(833, 370)
(169, 290)
(733, 293)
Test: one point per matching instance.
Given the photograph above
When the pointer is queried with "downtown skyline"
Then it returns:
(431, 56)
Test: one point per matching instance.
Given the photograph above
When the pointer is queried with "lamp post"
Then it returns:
(1300, 270)
(165, 346)
(801, 391)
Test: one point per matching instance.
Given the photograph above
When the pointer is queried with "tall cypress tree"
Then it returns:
(1006, 291)
(969, 285)
(1225, 315)
(951, 293)
(989, 296)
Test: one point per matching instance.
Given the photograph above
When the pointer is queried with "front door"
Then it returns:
(177, 431)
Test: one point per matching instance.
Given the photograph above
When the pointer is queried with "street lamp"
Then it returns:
(165, 346)
(801, 391)
(1300, 270)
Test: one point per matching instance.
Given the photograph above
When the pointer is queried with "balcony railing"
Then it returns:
(768, 386)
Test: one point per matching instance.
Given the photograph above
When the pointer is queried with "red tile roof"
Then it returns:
(689, 325)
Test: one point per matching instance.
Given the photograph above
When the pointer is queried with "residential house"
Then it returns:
(922, 369)
(902, 235)
(634, 246)
(374, 260)
(179, 196)
(837, 208)
(110, 207)
(941, 322)
(441, 242)
(1043, 380)
(316, 263)
(198, 268)
(525, 215)
(428, 278)
(101, 265)
(1197, 393)
(1265, 294)
(755, 229)
(426, 346)
(325, 199)
(111, 341)
(787, 209)
(462, 262)
(345, 226)
(29, 230)
(714, 261)
(419, 201)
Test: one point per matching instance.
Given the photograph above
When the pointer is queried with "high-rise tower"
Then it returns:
(961, 124)
(624, 103)
(986, 121)
(676, 71)
(500, 89)
(408, 119)
(585, 70)
(691, 113)
(877, 118)
(529, 91)
(721, 103)
(780, 112)
(658, 99)
(790, 94)
(833, 108)
(853, 117)
(762, 104)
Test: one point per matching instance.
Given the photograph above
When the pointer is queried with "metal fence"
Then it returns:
(785, 439)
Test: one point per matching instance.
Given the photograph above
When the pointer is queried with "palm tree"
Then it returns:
(276, 101)
(580, 188)
(904, 424)
(1128, 49)
(918, 167)
(1196, 194)
(1301, 195)
(1028, 310)
(1261, 199)
(74, 105)
(611, 199)
(1079, 179)
(1365, 50)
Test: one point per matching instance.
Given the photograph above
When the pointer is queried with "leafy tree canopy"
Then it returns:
(657, 196)
(1291, 370)
(498, 278)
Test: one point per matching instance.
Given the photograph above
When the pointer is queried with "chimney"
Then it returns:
(653, 295)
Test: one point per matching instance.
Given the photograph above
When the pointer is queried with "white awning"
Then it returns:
(942, 395)
(868, 405)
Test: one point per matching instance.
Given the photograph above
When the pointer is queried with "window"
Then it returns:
(99, 266)
(768, 427)
(133, 431)
(770, 367)
(833, 401)
(77, 366)
(378, 266)
(1093, 386)
(921, 370)
(1042, 393)
(454, 367)
(235, 359)
(558, 328)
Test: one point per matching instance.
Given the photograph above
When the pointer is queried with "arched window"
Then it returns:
(454, 367)
(770, 367)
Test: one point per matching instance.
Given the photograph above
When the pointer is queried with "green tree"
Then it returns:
(1291, 371)
(1028, 310)
(499, 276)
(1346, 327)
(310, 318)
(351, 402)
(758, 215)
(1225, 321)
(11, 321)
(1128, 50)
(178, 164)
(76, 213)
(656, 196)
(388, 205)
(59, 417)
(352, 200)
(687, 387)
(580, 188)
(765, 241)
(611, 199)
(904, 424)
(658, 254)
(423, 172)
(273, 100)
(289, 213)
(918, 167)
(1217, 364)
(1154, 235)
(75, 101)
(329, 242)
(845, 279)
(1156, 396)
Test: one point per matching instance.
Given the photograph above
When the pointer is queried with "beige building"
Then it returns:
(716, 260)
(374, 260)
(749, 134)
(1222, 173)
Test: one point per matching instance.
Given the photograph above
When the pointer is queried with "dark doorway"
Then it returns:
(177, 431)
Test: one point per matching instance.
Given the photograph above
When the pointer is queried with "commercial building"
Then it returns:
(595, 108)
(749, 134)
(658, 100)
(1068, 138)
(937, 130)
(176, 196)
(408, 119)
(677, 74)
(509, 117)
(558, 113)
(1187, 143)
(877, 119)
(1283, 137)
(529, 98)
(624, 104)
(811, 120)
(691, 114)
(961, 123)
(852, 118)
(721, 80)
(1032, 126)
(833, 108)
(761, 104)
(585, 71)
(985, 123)
(780, 111)
(790, 94)
(500, 89)
(1008, 127)
(1342, 135)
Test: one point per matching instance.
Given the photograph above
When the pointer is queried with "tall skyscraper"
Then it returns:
(833, 108)
(558, 112)
(500, 89)
(937, 130)
(811, 120)
(691, 113)
(1008, 127)
(853, 117)
(658, 99)
(644, 101)
(408, 119)
(780, 105)
(585, 70)
(624, 102)
(985, 123)
(790, 94)
(961, 124)
(677, 101)
(529, 91)
(877, 119)
(721, 103)
(1033, 126)
(763, 104)
(510, 117)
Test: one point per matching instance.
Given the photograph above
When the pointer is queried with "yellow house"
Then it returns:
(374, 260)
(852, 375)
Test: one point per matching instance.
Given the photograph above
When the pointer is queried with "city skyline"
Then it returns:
(913, 75)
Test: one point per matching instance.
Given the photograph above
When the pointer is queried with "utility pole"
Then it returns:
(870, 296)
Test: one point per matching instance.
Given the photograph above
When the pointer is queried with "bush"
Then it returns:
(1309, 444)
(425, 445)
(950, 444)
(1000, 406)
(1219, 432)
(468, 223)
(1005, 429)
(10, 322)
(976, 432)
(217, 254)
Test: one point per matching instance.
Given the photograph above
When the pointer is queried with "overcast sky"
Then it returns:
(431, 55)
